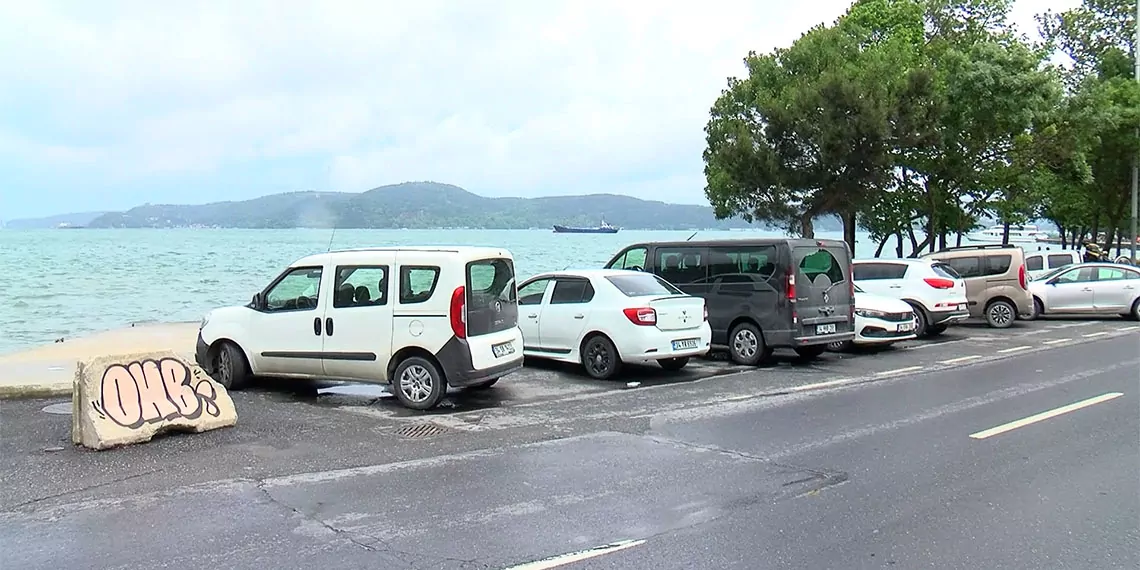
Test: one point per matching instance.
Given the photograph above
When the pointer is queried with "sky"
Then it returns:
(112, 104)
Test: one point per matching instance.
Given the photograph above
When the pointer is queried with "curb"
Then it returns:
(32, 391)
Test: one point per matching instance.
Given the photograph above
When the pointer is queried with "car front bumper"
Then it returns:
(202, 355)
(879, 331)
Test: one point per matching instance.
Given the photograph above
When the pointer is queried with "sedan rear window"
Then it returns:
(643, 285)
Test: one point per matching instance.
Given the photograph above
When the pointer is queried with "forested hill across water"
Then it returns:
(425, 205)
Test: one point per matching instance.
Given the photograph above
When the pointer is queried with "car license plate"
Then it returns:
(825, 329)
(906, 327)
(685, 343)
(503, 348)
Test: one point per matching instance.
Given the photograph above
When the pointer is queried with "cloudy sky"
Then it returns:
(107, 105)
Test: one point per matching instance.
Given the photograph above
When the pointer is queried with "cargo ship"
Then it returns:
(604, 228)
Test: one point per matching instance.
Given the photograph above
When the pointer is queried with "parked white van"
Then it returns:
(419, 318)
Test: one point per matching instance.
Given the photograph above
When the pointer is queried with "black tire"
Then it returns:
(935, 330)
(1000, 314)
(922, 322)
(746, 345)
(483, 385)
(231, 369)
(840, 346)
(418, 383)
(600, 357)
(1038, 310)
(811, 352)
(673, 364)
(1136, 310)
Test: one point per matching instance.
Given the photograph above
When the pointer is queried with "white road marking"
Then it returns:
(1132, 328)
(1045, 415)
(563, 559)
(960, 359)
(1057, 341)
(1071, 325)
(1014, 349)
(1090, 335)
(932, 344)
(898, 370)
(820, 385)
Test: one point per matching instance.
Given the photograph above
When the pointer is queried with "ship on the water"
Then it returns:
(604, 228)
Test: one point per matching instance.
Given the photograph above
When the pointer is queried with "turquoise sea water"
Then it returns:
(66, 283)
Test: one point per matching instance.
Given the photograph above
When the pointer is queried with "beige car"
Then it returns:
(997, 284)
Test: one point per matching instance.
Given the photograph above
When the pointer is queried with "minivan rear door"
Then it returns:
(491, 303)
(823, 288)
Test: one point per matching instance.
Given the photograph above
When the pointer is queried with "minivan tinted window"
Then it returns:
(822, 262)
(682, 265)
(491, 296)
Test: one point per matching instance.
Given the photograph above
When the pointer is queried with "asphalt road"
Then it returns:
(862, 461)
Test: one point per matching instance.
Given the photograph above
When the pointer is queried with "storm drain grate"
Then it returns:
(420, 431)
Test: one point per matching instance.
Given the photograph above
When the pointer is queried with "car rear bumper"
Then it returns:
(811, 340)
(657, 344)
(948, 317)
(459, 377)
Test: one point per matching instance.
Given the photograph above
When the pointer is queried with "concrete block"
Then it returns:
(128, 398)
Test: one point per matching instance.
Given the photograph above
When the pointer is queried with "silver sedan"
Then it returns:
(1088, 289)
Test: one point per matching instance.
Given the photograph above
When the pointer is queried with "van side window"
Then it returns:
(681, 265)
(360, 286)
(821, 263)
(417, 283)
(298, 290)
(569, 291)
(633, 258)
(758, 260)
(966, 266)
(998, 264)
(1035, 263)
(1056, 261)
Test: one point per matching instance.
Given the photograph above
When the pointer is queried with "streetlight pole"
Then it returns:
(1136, 157)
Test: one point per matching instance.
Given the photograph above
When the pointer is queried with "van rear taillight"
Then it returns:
(643, 316)
(458, 312)
(791, 284)
(939, 283)
(1021, 278)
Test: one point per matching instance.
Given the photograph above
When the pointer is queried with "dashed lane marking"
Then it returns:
(1057, 341)
(1014, 349)
(960, 359)
(564, 559)
(1126, 329)
(1091, 335)
(898, 370)
(1045, 415)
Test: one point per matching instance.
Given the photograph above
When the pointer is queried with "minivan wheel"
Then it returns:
(231, 369)
(1000, 314)
(418, 383)
(746, 345)
(811, 352)
(600, 358)
(673, 364)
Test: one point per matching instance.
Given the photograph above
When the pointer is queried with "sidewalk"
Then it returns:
(49, 370)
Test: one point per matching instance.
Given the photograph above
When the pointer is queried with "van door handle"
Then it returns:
(579, 316)
(1087, 289)
(328, 326)
(896, 286)
(532, 316)
(317, 326)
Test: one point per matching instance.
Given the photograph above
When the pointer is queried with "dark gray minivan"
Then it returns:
(761, 294)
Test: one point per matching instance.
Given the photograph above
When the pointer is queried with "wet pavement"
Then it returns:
(548, 461)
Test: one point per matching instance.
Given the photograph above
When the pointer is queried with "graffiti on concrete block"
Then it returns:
(150, 391)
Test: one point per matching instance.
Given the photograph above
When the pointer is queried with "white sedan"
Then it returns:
(602, 318)
(879, 320)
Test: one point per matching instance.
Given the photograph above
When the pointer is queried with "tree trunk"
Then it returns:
(958, 240)
(807, 227)
(898, 245)
(849, 231)
(882, 244)
(1005, 233)
(1064, 238)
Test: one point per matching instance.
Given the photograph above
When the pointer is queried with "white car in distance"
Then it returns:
(879, 321)
(602, 318)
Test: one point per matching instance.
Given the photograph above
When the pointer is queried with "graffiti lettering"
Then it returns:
(152, 391)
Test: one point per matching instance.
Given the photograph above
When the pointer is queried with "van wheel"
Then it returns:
(231, 369)
(921, 322)
(483, 385)
(746, 345)
(673, 364)
(600, 358)
(811, 352)
(1000, 314)
(419, 384)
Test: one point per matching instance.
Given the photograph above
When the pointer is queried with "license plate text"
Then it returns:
(502, 349)
(825, 329)
(685, 343)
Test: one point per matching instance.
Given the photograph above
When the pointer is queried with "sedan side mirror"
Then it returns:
(257, 301)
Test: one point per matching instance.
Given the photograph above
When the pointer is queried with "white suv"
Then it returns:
(419, 318)
(935, 291)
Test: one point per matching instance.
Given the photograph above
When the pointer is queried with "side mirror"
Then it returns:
(257, 301)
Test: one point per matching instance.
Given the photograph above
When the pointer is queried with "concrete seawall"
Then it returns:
(49, 370)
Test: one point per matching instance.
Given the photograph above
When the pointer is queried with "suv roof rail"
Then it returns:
(980, 246)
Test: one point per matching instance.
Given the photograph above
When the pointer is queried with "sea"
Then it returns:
(65, 283)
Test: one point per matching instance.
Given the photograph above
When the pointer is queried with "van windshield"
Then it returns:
(492, 305)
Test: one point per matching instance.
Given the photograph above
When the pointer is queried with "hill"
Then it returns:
(421, 205)
(76, 219)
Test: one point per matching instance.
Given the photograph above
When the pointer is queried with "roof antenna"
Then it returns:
(331, 236)
(693, 236)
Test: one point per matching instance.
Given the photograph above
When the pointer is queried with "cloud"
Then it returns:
(176, 101)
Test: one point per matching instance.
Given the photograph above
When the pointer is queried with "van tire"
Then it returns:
(231, 369)
(418, 383)
(1000, 314)
(673, 364)
(600, 357)
(746, 345)
(811, 352)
